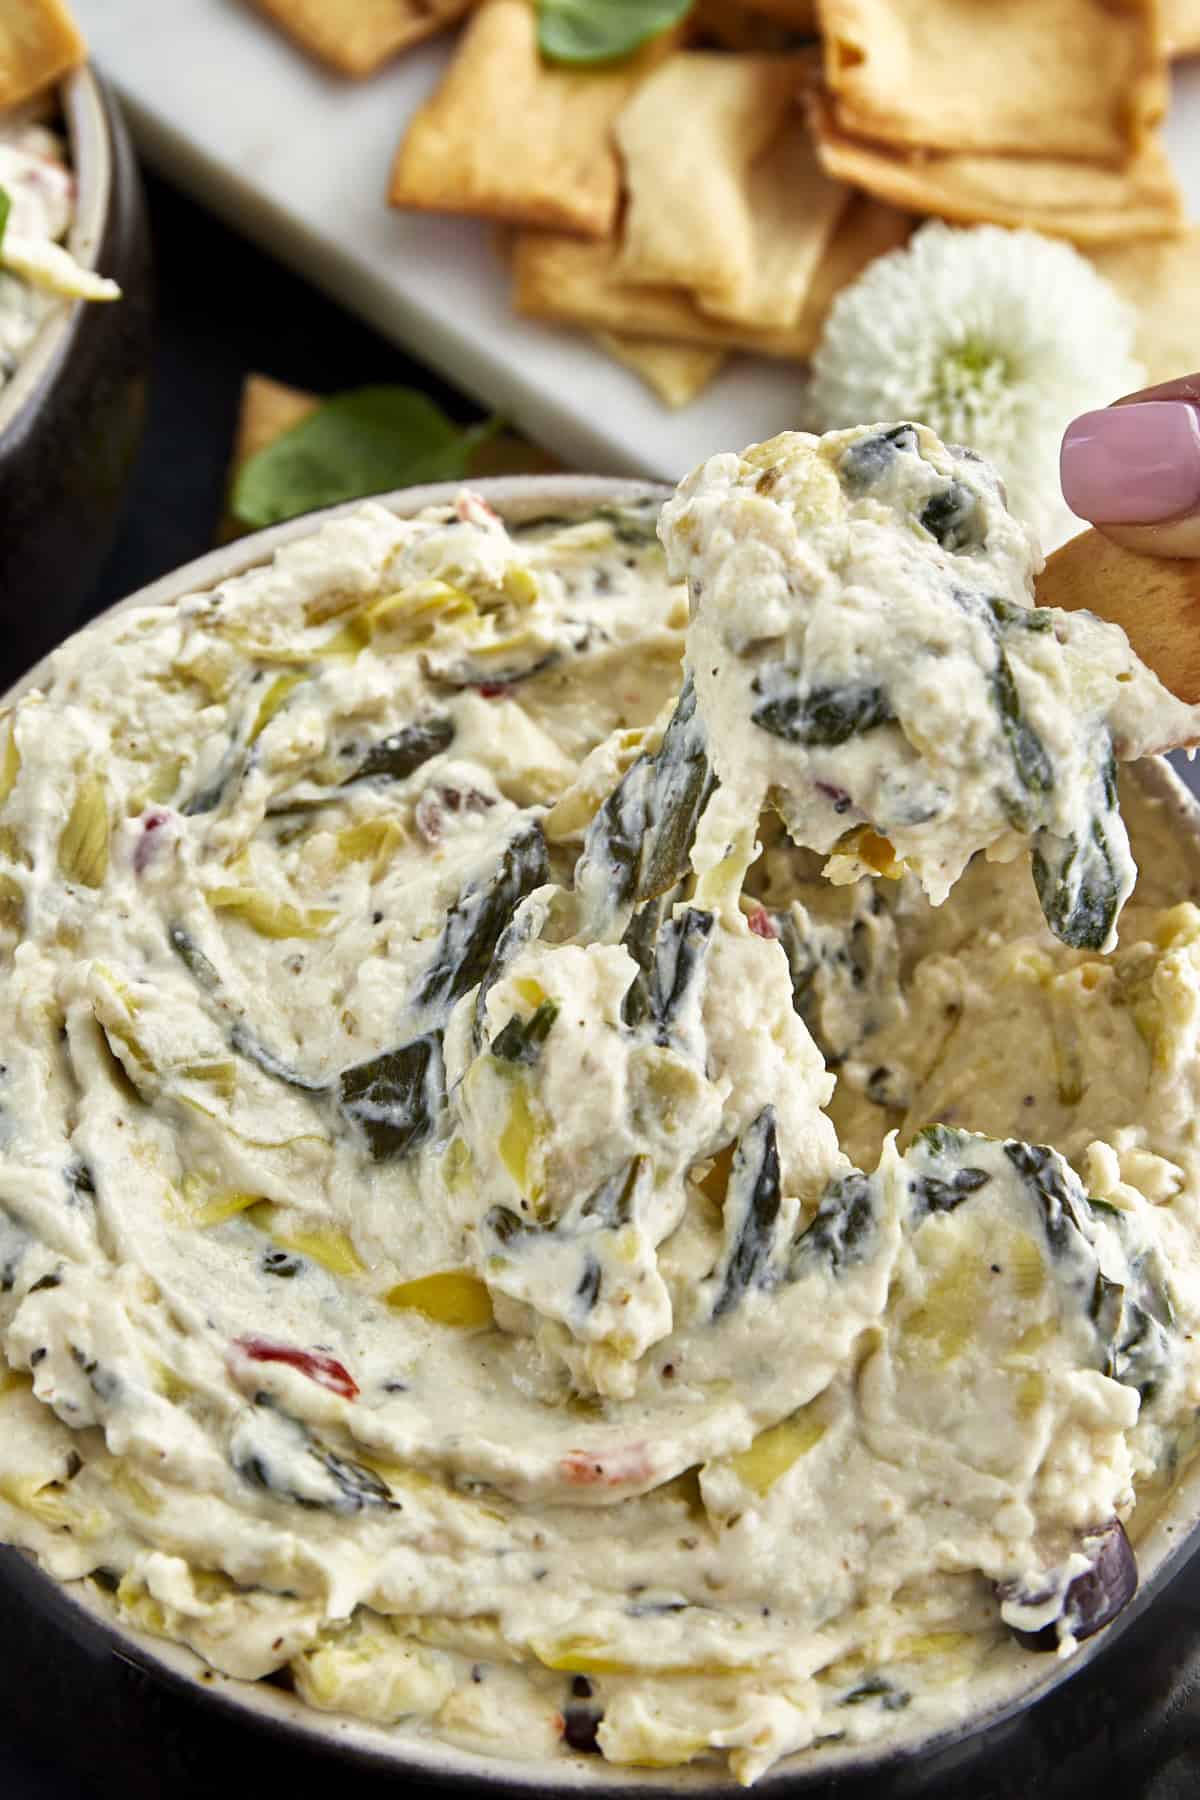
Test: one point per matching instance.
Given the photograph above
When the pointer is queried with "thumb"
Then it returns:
(1133, 469)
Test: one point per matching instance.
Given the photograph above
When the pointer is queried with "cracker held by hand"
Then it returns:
(355, 37)
(1073, 78)
(39, 43)
(1083, 201)
(510, 137)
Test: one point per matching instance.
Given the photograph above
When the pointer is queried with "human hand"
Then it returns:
(1133, 469)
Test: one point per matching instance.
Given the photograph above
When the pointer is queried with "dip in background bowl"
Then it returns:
(71, 415)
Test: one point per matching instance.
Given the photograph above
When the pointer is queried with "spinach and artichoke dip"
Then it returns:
(37, 205)
(477, 1238)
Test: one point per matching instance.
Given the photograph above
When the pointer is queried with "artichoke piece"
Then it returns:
(518, 1140)
(450, 1298)
(12, 903)
(774, 1451)
(476, 922)
(373, 841)
(10, 760)
(400, 754)
(83, 845)
(271, 918)
(323, 1244)
(396, 1098)
(206, 1207)
(752, 1202)
(274, 700)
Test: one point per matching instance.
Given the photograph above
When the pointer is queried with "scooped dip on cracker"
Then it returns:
(488, 1227)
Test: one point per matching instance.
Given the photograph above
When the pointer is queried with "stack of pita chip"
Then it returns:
(714, 192)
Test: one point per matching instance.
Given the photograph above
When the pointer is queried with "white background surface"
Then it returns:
(224, 106)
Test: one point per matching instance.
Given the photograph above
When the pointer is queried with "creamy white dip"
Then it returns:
(427, 1259)
(37, 272)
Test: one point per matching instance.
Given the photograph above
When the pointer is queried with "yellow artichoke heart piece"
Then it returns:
(450, 1298)
(269, 917)
(83, 845)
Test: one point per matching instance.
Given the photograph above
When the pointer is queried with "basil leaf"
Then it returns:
(5, 209)
(362, 442)
(598, 31)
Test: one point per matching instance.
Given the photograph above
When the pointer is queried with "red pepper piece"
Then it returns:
(319, 1367)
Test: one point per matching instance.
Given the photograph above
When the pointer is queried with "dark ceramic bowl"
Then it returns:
(71, 417)
(1021, 1736)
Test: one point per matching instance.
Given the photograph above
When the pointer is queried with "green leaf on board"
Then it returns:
(599, 31)
(358, 443)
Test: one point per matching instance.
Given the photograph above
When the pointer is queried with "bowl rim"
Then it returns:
(1168, 1540)
(91, 159)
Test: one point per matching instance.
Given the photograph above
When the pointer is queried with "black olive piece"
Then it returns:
(1094, 1598)
(281, 1263)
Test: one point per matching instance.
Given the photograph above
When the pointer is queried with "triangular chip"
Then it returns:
(675, 372)
(1083, 201)
(39, 43)
(744, 240)
(356, 36)
(794, 209)
(1073, 78)
(577, 283)
(508, 136)
(1162, 280)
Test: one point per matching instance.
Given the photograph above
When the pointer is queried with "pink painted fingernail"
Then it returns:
(1133, 465)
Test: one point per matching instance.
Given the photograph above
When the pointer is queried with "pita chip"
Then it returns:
(745, 239)
(794, 209)
(1072, 78)
(510, 137)
(1181, 27)
(39, 43)
(1083, 201)
(354, 37)
(675, 372)
(1162, 282)
(577, 283)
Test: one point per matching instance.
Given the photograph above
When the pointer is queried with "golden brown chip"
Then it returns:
(1181, 27)
(356, 36)
(675, 372)
(716, 114)
(1075, 78)
(794, 209)
(510, 137)
(1162, 280)
(577, 283)
(867, 229)
(1083, 201)
(39, 42)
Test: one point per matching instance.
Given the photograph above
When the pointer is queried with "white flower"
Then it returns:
(995, 338)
